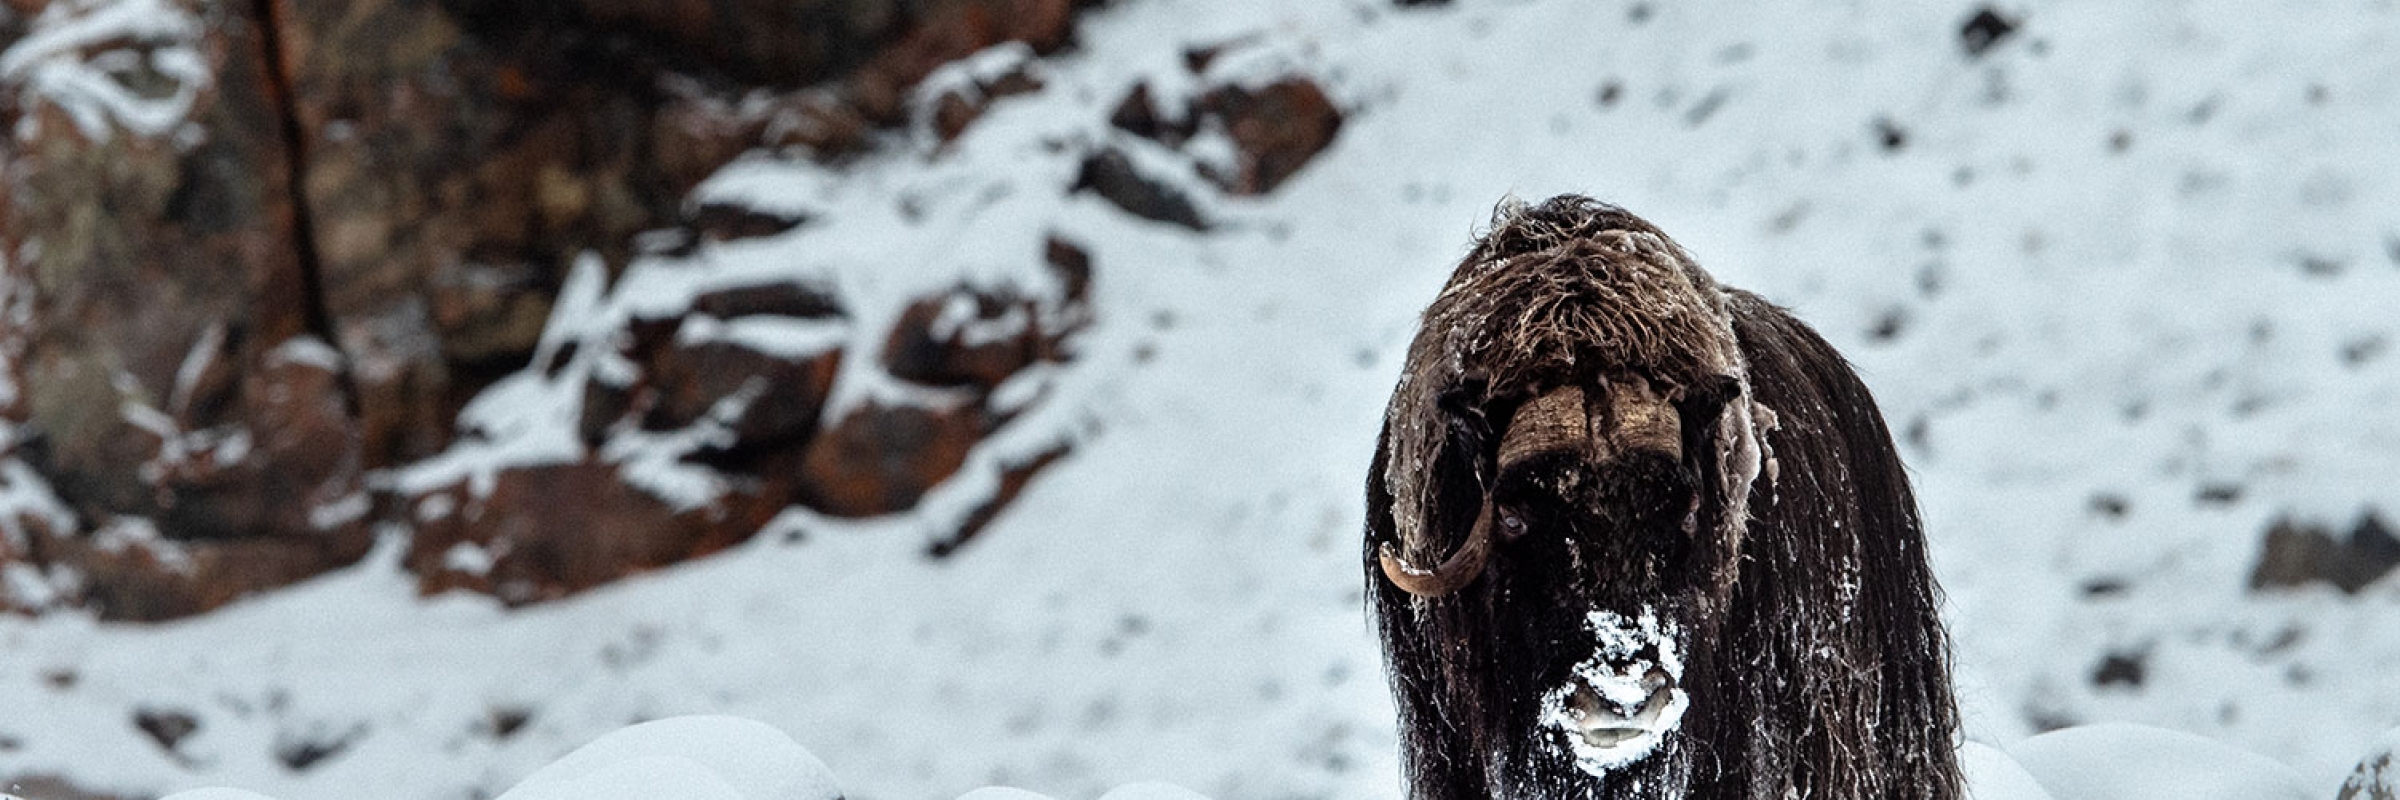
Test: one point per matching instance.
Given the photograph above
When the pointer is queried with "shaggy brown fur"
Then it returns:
(1780, 541)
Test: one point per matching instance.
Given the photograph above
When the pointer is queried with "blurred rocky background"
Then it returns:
(260, 255)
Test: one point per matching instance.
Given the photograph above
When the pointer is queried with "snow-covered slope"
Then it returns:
(2124, 283)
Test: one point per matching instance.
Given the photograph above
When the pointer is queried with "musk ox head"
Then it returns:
(1632, 534)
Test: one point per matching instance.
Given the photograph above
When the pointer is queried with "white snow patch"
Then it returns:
(1623, 700)
(55, 62)
(306, 351)
(960, 320)
(783, 337)
(26, 586)
(130, 532)
(24, 494)
(196, 361)
(469, 558)
(349, 508)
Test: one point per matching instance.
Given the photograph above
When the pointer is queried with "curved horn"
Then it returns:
(1548, 423)
(1644, 420)
(1460, 569)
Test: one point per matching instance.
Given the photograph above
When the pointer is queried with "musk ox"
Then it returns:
(1634, 534)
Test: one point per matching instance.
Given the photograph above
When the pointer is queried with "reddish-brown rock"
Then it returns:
(150, 581)
(549, 531)
(778, 397)
(1140, 115)
(409, 181)
(1111, 175)
(957, 107)
(778, 299)
(460, 157)
(1013, 480)
(168, 380)
(1275, 129)
(965, 338)
(2297, 554)
(882, 459)
(980, 338)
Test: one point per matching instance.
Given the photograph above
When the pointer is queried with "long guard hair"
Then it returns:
(1771, 526)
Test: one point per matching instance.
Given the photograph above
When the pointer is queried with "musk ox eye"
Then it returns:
(1512, 524)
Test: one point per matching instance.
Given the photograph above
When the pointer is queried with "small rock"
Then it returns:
(721, 222)
(2378, 775)
(780, 299)
(785, 394)
(167, 728)
(1276, 129)
(1013, 480)
(1890, 135)
(959, 106)
(1139, 115)
(1112, 176)
(1073, 266)
(965, 338)
(1984, 30)
(881, 459)
(52, 787)
(505, 722)
(2296, 554)
(304, 752)
(2126, 669)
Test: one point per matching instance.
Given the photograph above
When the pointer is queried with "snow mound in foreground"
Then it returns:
(218, 793)
(2134, 762)
(697, 758)
(731, 758)
(1993, 774)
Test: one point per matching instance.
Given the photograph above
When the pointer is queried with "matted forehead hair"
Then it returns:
(1571, 288)
(1567, 292)
(1518, 228)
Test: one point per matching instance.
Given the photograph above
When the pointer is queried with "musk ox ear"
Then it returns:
(1702, 403)
(1474, 416)
(1462, 407)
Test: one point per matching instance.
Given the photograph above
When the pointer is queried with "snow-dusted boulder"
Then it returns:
(2134, 762)
(685, 758)
(2378, 775)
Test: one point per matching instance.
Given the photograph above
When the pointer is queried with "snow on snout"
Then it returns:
(1619, 703)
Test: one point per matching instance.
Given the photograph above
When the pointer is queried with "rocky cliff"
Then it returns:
(283, 278)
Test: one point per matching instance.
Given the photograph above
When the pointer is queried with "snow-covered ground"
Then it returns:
(2124, 284)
